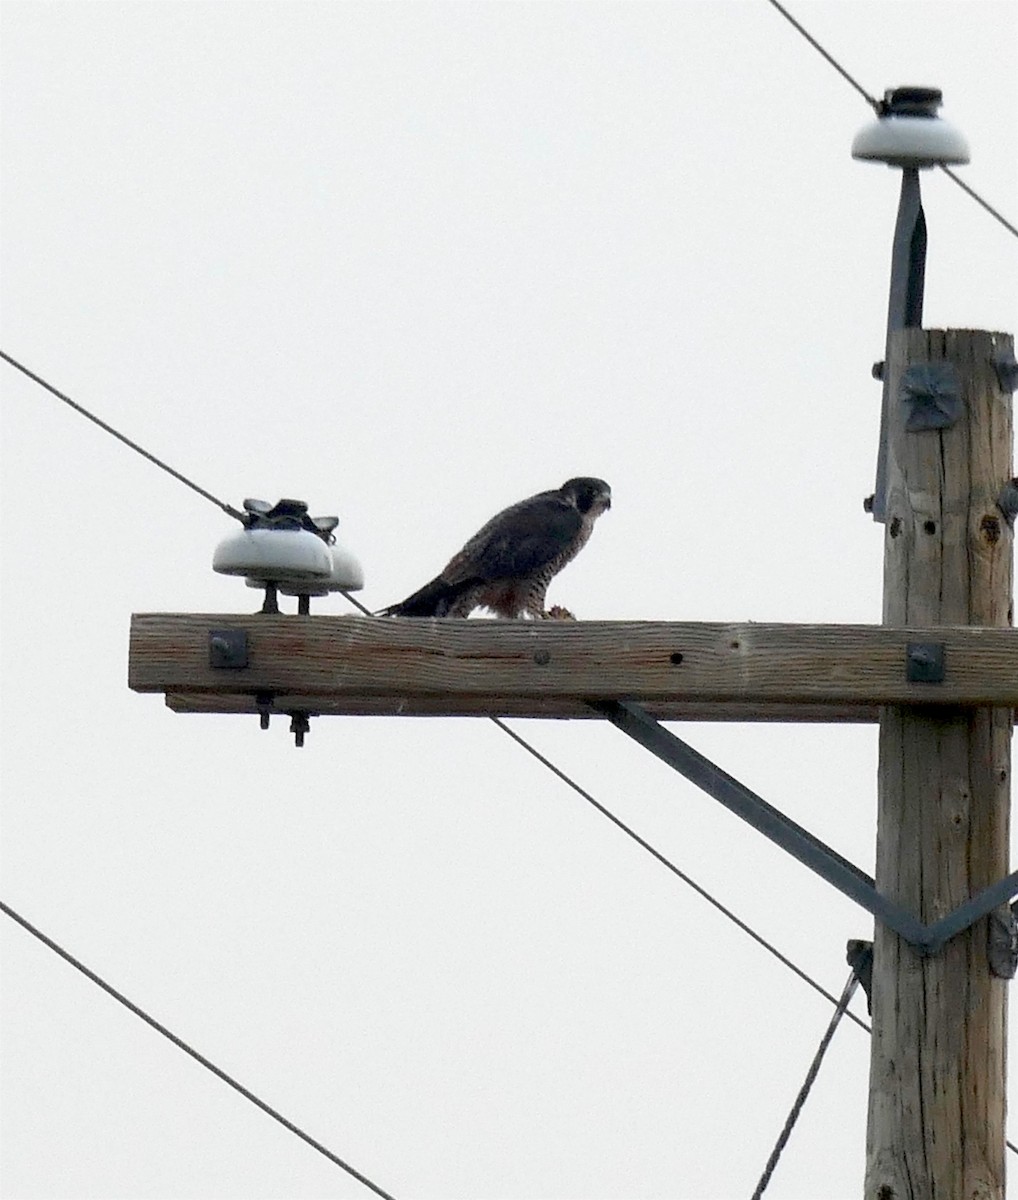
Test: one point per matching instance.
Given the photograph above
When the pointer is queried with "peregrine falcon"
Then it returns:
(507, 565)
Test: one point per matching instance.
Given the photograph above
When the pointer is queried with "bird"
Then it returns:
(508, 564)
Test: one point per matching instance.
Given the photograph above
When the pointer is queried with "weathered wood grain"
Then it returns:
(680, 670)
(936, 1117)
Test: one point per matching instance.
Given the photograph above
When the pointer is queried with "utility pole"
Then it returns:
(940, 674)
(937, 1073)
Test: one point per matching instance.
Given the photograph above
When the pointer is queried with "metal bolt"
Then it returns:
(925, 662)
(263, 702)
(299, 725)
(931, 394)
(227, 649)
(271, 602)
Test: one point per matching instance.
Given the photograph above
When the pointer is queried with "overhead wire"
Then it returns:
(811, 1074)
(1012, 229)
(80, 408)
(644, 844)
(872, 101)
(878, 108)
(840, 1004)
(669, 865)
(701, 891)
(200, 1058)
(666, 862)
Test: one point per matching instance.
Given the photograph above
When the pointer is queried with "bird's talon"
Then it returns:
(558, 613)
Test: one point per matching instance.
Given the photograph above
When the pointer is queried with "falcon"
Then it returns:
(507, 565)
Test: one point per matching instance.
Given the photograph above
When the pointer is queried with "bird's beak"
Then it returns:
(607, 502)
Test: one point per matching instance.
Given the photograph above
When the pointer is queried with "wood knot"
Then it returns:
(990, 529)
(929, 527)
(895, 527)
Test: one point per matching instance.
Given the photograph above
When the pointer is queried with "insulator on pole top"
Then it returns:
(908, 132)
(909, 135)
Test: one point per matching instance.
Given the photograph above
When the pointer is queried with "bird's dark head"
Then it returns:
(587, 493)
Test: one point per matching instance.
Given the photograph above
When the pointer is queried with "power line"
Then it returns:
(665, 862)
(811, 1074)
(139, 1012)
(878, 108)
(228, 509)
(1012, 229)
(501, 725)
(640, 841)
(701, 891)
(872, 101)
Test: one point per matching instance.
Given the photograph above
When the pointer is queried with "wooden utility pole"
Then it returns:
(937, 1074)
(941, 675)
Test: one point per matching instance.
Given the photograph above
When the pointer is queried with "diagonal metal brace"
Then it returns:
(638, 724)
(904, 306)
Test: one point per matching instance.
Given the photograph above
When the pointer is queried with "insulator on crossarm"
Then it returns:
(283, 549)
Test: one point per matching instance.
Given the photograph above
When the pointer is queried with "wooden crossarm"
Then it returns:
(678, 670)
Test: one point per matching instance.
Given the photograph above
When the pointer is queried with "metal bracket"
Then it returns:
(1002, 942)
(228, 649)
(1007, 501)
(904, 307)
(638, 724)
(931, 394)
(859, 956)
(924, 662)
(1007, 369)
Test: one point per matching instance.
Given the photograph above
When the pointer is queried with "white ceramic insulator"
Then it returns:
(346, 575)
(910, 141)
(274, 555)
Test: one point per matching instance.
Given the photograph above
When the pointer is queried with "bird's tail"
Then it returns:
(433, 600)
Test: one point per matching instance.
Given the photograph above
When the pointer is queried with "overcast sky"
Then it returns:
(412, 263)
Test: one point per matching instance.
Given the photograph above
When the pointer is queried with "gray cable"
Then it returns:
(877, 106)
(872, 101)
(978, 199)
(228, 509)
(811, 1074)
(211, 1066)
(626, 829)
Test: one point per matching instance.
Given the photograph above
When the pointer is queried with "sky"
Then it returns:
(411, 263)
